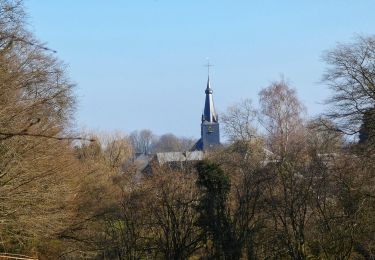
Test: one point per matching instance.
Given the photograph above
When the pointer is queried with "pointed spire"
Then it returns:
(210, 129)
(209, 114)
(208, 89)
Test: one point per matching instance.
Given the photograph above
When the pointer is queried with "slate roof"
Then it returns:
(198, 145)
(169, 157)
(209, 114)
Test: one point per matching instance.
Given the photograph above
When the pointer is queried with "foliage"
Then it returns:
(213, 212)
(284, 189)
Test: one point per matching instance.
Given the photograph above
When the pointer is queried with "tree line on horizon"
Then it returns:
(285, 187)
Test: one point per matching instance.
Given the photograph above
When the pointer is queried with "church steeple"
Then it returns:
(210, 129)
(209, 114)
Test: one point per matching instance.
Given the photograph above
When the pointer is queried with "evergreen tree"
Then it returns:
(367, 129)
(213, 211)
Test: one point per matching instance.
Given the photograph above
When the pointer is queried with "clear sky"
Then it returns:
(139, 63)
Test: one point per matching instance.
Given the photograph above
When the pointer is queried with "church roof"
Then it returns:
(198, 146)
(169, 157)
(209, 114)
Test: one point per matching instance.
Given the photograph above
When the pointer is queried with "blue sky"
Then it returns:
(139, 63)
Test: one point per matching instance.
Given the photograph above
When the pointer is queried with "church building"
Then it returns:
(210, 131)
(210, 139)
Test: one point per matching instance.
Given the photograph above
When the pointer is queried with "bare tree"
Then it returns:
(101, 189)
(36, 100)
(116, 149)
(321, 137)
(142, 141)
(351, 77)
(240, 121)
(280, 114)
(173, 216)
(172, 143)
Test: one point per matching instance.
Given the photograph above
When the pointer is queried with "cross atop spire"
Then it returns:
(208, 65)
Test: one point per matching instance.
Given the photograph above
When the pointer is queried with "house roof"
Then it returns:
(178, 157)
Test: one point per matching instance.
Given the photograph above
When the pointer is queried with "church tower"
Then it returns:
(210, 132)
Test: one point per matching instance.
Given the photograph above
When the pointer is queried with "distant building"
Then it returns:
(210, 130)
(210, 139)
(173, 161)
